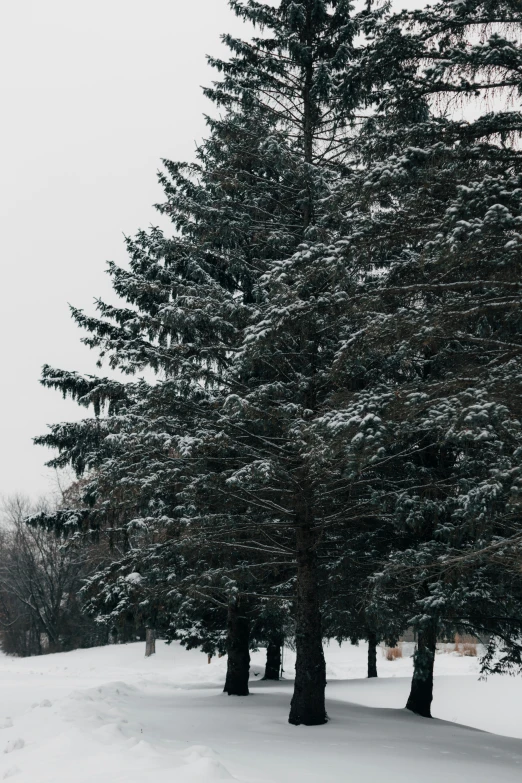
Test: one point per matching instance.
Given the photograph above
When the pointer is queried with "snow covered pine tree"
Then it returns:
(301, 72)
(217, 455)
(431, 432)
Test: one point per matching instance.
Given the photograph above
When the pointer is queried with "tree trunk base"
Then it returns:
(308, 702)
(238, 648)
(150, 642)
(372, 655)
(421, 694)
(308, 717)
(273, 661)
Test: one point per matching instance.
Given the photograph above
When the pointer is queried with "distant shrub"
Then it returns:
(392, 653)
(466, 645)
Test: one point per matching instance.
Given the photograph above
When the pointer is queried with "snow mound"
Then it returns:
(11, 772)
(203, 764)
(13, 745)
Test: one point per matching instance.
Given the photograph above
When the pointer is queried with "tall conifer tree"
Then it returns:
(220, 453)
(430, 433)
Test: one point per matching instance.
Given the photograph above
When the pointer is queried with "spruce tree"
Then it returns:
(238, 317)
(428, 427)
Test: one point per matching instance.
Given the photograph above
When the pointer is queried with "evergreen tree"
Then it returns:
(219, 454)
(428, 426)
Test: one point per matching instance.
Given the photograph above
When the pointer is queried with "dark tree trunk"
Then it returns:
(308, 702)
(273, 659)
(238, 649)
(421, 694)
(150, 642)
(372, 655)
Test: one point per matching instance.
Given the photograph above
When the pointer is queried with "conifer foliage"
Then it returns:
(332, 445)
(433, 216)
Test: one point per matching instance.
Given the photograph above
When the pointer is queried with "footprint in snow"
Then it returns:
(8, 722)
(11, 772)
(16, 744)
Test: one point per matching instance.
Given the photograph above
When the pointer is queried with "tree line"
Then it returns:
(331, 447)
(41, 579)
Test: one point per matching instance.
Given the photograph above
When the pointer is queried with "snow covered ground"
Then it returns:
(110, 715)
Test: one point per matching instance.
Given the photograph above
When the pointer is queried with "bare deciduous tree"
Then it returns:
(40, 577)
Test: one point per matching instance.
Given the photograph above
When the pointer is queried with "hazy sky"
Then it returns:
(93, 94)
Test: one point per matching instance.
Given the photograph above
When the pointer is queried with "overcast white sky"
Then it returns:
(93, 94)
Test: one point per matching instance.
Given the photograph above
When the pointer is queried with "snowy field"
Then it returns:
(110, 715)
